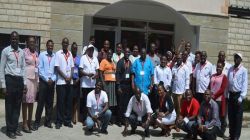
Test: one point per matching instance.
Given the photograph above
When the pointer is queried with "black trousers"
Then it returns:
(45, 98)
(222, 120)
(64, 104)
(13, 99)
(123, 99)
(83, 102)
(235, 114)
(209, 134)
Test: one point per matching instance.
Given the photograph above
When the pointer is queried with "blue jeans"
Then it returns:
(104, 118)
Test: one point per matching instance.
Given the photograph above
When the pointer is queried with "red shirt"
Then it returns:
(189, 109)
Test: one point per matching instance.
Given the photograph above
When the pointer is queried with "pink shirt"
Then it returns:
(31, 67)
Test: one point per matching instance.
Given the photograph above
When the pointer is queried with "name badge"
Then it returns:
(36, 70)
(142, 73)
(18, 70)
(113, 75)
(75, 70)
(139, 118)
(127, 76)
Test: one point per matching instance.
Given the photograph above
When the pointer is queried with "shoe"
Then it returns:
(18, 133)
(58, 126)
(225, 137)
(104, 131)
(147, 134)
(91, 129)
(119, 124)
(35, 127)
(48, 125)
(68, 125)
(11, 135)
(26, 130)
(132, 131)
(31, 128)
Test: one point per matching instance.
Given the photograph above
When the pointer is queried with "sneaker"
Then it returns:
(104, 131)
(18, 133)
(11, 135)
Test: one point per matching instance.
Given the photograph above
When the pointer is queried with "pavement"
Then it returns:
(78, 132)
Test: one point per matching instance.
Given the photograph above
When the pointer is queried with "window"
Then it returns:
(105, 21)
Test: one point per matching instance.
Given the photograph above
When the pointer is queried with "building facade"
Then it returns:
(208, 25)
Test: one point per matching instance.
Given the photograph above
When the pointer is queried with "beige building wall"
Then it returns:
(239, 37)
(27, 17)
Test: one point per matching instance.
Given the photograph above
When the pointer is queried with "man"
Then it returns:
(91, 43)
(98, 112)
(143, 73)
(123, 80)
(76, 82)
(154, 58)
(135, 54)
(169, 56)
(191, 56)
(64, 65)
(222, 59)
(186, 62)
(208, 118)
(103, 53)
(181, 80)
(188, 115)
(89, 66)
(138, 113)
(118, 54)
(47, 78)
(202, 75)
(237, 87)
(12, 75)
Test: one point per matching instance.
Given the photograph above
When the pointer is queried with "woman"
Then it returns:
(165, 114)
(32, 79)
(107, 73)
(218, 86)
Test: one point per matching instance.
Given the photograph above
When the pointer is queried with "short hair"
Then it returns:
(49, 42)
(91, 37)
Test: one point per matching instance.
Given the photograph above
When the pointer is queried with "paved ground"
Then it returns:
(78, 133)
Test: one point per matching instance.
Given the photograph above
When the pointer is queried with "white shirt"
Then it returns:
(155, 60)
(238, 80)
(191, 58)
(202, 75)
(181, 79)
(89, 65)
(162, 74)
(225, 69)
(64, 65)
(96, 104)
(95, 51)
(189, 66)
(133, 58)
(117, 57)
(141, 109)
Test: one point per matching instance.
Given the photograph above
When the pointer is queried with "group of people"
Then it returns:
(170, 90)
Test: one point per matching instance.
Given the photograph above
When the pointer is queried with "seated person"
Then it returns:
(138, 113)
(188, 115)
(98, 111)
(208, 118)
(165, 114)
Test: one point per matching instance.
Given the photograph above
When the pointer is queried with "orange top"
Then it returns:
(108, 69)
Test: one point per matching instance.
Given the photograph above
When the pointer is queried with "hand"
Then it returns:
(200, 128)
(25, 89)
(125, 132)
(4, 91)
(67, 80)
(239, 100)
(50, 82)
(90, 75)
(95, 76)
(119, 90)
(75, 82)
(95, 118)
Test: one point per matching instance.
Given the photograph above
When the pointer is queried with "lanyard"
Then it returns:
(202, 66)
(161, 102)
(235, 71)
(97, 97)
(66, 56)
(139, 106)
(189, 107)
(179, 68)
(16, 56)
(207, 110)
(126, 64)
(34, 57)
(89, 59)
(49, 59)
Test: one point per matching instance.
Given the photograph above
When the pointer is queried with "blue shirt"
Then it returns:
(143, 73)
(76, 67)
(47, 66)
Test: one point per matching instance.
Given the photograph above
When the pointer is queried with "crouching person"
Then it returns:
(208, 118)
(187, 121)
(98, 110)
(138, 113)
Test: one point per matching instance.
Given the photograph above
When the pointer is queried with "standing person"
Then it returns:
(142, 73)
(187, 119)
(13, 80)
(47, 78)
(104, 51)
(237, 87)
(165, 112)
(92, 44)
(123, 83)
(225, 64)
(98, 109)
(32, 62)
(76, 82)
(64, 65)
(107, 73)
(138, 113)
(89, 66)
(154, 58)
(169, 56)
(208, 118)
(180, 82)
(218, 86)
(118, 54)
(135, 54)
(202, 75)
(186, 62)
(197, 60)
(191, 56)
